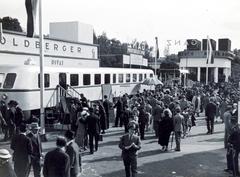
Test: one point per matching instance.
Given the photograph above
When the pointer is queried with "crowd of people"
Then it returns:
(166, 111)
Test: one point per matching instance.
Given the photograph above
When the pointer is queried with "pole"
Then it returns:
(41, 40)
(207, 64)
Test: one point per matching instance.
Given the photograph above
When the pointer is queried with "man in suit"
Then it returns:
(72, 150)
(22, 147)
(57, 162)
(106, 105)
(211, 110)
(37, 149)
(130, 144)
(93, 129)
(178, 127)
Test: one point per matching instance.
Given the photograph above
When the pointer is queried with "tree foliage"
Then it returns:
(111, 51)
(11, 24)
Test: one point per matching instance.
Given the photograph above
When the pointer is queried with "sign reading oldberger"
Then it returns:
(21, 44)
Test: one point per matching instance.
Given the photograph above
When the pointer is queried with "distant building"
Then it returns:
(195, 61)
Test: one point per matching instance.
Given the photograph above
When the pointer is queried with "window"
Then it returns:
(140, 77)
(46, 80)
(120, 78)
(1, 78)
(97, 79)
(145, 76)
(9, 81)
(128, 77)
(107, 78)
(151, 75)
(134, 77)
(114, 78)
(74, 79)
(86, 79)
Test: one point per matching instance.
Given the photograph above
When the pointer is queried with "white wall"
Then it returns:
(71, 31)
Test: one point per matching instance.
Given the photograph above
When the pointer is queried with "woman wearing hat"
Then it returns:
(6, 169)
(81, 133)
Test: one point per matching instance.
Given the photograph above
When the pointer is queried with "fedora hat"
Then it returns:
(4, 154)
(34, 125)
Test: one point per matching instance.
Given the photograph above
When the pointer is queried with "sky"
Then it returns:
(172, 21)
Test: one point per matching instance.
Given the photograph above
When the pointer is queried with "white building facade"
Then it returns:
(195, 61)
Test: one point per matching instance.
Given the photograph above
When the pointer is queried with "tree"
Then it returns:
(11, 24)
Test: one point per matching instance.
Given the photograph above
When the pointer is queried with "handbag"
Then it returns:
(100, 137)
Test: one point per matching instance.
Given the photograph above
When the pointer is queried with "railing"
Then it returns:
(73, 92)
(56, 96)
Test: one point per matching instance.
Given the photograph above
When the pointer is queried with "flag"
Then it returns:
(210, 57)
(1, 32)
(157, 49)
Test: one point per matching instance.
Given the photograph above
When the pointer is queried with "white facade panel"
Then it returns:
(196, 62)
(72, 31)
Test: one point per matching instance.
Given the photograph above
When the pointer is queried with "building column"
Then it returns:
(198, 74)
(216, 74)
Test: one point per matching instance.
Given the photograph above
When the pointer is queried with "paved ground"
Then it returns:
(201, 156)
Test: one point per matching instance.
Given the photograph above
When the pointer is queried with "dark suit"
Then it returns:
(22, 147)
(72, 150)
(56, 164)
(36, 154)
(130, 155)
(210, 112)
(93, 129)
(106, 105)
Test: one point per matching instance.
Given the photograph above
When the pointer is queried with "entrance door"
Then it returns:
(63, 80)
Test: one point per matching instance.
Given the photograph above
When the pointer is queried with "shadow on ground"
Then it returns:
(204, 164)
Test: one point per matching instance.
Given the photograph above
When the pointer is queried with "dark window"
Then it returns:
(107, 78)
(74, 79)
(1, 78)
(9, 81)
(86, 79)
(128, 77)
(151, 75)
(97, 79)
(46, 80)
(145, 76)
(114, 78)
(120, 78)
(140, 77)
(134, 77)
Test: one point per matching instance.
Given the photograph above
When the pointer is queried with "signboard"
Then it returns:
(13, 43)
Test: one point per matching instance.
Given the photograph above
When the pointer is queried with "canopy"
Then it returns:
(152, 81)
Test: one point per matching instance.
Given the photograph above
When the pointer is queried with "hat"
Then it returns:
(83, 113)
(34, 125)
(69, 134)
(4, 154)
(85, 108)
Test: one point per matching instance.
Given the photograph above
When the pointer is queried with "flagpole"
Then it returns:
(207, 62)
(41, 41)
(155, 62)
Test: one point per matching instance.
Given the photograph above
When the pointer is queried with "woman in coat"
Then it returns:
(81, 133)
(165, 129)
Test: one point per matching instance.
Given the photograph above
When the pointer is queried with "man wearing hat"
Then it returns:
(72, 150)
(22, 147)
(6, 169)
(130, 144)
(37, 149)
